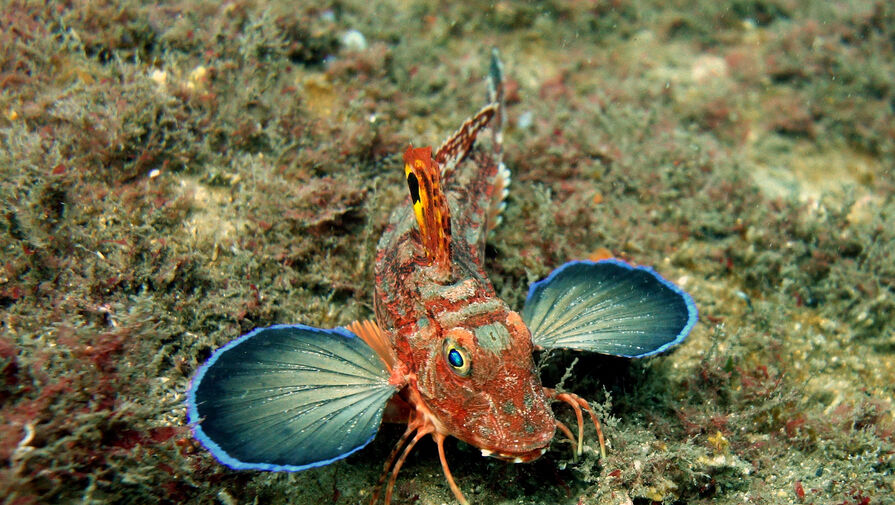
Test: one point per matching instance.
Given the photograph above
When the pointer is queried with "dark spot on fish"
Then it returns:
(528, 400)
(509, 407)
(414, 186)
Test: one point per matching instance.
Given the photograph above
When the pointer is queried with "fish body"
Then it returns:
(445, 354)
(430, 310)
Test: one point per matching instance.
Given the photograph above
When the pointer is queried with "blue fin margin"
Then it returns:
(216, 446)
(644, 286)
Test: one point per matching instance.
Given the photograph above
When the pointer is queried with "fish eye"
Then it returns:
(456, 357)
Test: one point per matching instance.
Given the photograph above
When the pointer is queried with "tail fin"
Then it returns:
(429, 205)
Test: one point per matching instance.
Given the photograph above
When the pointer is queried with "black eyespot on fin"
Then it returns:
(414, 186)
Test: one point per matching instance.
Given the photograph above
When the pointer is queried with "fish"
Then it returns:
(444, 354)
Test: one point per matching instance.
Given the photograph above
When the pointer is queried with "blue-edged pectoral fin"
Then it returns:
(608, 307)
(287, 398)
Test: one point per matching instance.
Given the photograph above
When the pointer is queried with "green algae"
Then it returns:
(176, 175)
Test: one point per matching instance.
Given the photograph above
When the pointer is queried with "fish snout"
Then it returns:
(517, 457)
(519, 434)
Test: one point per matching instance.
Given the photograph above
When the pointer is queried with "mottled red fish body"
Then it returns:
(498, 403)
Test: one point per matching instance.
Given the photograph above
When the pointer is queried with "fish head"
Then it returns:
(479, 381)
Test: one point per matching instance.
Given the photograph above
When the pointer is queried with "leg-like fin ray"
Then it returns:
(439, 440)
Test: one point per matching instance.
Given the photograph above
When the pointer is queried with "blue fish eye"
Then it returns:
(457, 357)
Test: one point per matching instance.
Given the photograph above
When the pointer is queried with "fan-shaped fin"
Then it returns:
(289, 397)
(608, 307)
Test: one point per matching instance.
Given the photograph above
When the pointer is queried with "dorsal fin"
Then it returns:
(429, 205)
(496, 95)
(457, 146)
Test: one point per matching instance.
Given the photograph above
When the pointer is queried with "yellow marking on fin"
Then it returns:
(429, 205)
(373, 336)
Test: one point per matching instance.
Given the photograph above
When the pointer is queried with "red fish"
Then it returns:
(445, 355)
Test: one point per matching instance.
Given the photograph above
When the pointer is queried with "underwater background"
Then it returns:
(173, 175)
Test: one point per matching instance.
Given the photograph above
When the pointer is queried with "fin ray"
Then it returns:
(608, 307)
(289, 397)
(458, 145)
(372, 334)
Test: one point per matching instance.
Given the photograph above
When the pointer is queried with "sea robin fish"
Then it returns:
(445, 354)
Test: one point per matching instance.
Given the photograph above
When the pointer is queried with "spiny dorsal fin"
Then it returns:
(457, 146)
(429, 205)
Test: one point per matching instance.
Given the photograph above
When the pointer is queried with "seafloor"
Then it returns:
(175, 174)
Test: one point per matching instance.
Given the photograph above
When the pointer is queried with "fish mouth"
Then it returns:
(516, 457)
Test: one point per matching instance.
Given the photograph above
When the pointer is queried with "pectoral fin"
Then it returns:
(287, 398)
(608, 307)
